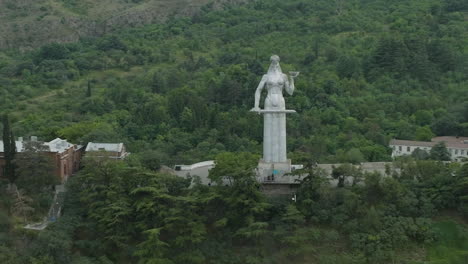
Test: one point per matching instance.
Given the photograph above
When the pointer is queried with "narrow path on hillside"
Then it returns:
(54, 211)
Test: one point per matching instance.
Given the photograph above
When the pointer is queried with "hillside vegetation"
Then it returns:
(370, 71)
(180, 91)
(31, 23)
(122, 213)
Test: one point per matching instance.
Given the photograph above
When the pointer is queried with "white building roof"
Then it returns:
(113, 147)
(19, 146)
(58, 145)
(196, 165)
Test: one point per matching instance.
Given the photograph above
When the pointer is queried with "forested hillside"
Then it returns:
(370, 71)
(123, 213)
(181, 91)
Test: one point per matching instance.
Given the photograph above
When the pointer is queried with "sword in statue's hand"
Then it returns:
(256, 109)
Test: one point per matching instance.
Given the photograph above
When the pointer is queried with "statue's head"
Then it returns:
(274, 66)
(275, 58)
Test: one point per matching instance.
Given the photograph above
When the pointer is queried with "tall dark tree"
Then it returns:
(418, 60)
(35, 171)
(9, 149)
(344, 171)
(440, 152)
(89, 89)
(347, 66)
(389, 57)
(420, 154)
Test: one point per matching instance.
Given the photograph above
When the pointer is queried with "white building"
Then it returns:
(456, 146)
(115, 151)
(200, 169)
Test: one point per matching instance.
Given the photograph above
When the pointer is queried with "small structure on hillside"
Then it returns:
(200, 170)
(456, 146)
(115, 151)
(66, 157)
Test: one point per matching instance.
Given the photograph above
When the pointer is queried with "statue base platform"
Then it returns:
(276, 172)
(262, 111)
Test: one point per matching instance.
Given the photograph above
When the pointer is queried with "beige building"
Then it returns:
(456, 146)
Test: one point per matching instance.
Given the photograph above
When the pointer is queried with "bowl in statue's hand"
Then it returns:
(293, 74)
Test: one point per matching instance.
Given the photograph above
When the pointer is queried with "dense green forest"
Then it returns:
(370, 71)
(122, 213)
(180, 91)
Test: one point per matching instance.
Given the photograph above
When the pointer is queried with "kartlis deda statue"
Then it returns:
(274, 127)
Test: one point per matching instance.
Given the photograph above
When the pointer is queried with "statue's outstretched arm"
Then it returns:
(258, 92)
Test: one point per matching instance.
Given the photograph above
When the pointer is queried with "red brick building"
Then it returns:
(66, 157)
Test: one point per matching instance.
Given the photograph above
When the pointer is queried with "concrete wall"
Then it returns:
(203, 171)
(365, 166)
(287, 187)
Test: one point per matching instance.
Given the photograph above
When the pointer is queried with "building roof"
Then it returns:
(19, 146)
(449, 139)
(58, 145)
(197, 165)
(450, 142)
(453, 142)
(458, 145)
(112, 147)
(398, 142)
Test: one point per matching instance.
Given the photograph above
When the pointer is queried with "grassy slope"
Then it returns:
(31, 23)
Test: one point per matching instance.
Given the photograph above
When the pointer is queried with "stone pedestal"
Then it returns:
(277, 173)
(272, 171)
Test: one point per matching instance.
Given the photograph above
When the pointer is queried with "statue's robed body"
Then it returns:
(274, 126)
